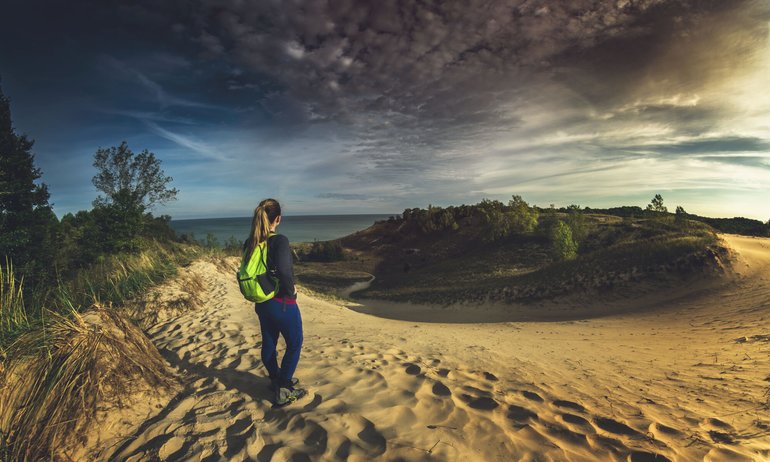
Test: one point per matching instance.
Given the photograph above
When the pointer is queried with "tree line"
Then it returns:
(657, 209)
(492, 220)
(44, 249)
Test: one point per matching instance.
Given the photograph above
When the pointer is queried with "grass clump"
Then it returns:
(59, 374)
(74, 347)
(13, 315)
(117, 278)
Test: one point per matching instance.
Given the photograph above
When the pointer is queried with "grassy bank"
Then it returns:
(65, 349)
(451, 265)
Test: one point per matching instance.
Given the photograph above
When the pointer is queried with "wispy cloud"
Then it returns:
(160, 95)
(187, 142)
(343, 196)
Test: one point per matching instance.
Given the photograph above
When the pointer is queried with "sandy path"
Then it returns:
(685, 382)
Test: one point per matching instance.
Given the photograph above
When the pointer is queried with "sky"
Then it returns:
(347, 106)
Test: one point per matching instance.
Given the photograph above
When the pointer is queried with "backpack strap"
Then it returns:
(266, 253)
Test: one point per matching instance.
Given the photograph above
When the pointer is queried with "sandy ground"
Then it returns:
(684, 379)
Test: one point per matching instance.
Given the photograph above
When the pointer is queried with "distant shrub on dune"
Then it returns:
(325, 251)
(523, 217)
(562, 243)
(656, 205)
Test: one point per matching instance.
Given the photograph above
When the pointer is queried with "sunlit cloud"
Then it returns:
(370, 107)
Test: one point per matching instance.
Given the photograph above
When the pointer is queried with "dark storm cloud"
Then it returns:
(422, 80)
(411, 101)
(445, 60)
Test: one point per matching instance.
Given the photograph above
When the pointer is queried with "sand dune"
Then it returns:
(685, 380)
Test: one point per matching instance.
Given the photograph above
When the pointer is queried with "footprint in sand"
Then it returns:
(369, 437)
(532, 396)
(641, 456)
(443, 372)
(412, 369)
(569, 405)
(561, 434)
(439, 389)
(613, 426)
(575, 420)
(490, 376)
(520, 414)
(481, 403)
(660, 431)
(715, 424)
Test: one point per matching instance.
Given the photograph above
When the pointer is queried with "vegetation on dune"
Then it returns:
(520, 252)
(736, 225)
(58, 376)
(321, 251)
(64, 343)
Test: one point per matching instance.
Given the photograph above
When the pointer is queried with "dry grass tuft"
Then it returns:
(225, 263)
(187, 294)
(58, 376)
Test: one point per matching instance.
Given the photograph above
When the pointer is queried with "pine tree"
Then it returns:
(27, 223)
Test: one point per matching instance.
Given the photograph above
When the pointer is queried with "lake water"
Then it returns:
(300, 228)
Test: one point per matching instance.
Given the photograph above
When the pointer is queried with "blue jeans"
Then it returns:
(277, 318)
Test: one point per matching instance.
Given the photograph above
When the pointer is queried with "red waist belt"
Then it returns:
(290, 301)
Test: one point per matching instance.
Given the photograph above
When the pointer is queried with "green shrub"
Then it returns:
(563, 245)
(13, 315)
(325, 251)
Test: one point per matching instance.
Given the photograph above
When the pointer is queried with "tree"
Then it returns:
(547, 222)
(27, 223)
(657, 205)
(132, 183)
(496, 224)
(136, 177)
(576, 220)
(681, 216)
(563, 245)
(523, 217)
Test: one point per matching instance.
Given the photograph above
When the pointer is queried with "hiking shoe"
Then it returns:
(274, 384)
(286, 396)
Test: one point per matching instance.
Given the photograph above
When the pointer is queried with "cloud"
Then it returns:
(342, 196)
(421, 81)
(708, 145)
(158, 92)
(187, 142)
(406, 102)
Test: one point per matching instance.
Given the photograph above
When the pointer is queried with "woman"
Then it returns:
(279, 315)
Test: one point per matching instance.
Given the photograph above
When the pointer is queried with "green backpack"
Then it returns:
(254, 280)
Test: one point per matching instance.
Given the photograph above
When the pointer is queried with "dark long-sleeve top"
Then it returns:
(280, 261)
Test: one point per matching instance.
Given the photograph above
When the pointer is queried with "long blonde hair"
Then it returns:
(264, 215)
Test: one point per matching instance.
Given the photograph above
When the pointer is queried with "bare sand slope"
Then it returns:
(686, 381)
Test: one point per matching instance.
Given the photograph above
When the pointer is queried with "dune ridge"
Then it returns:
(685, 381)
